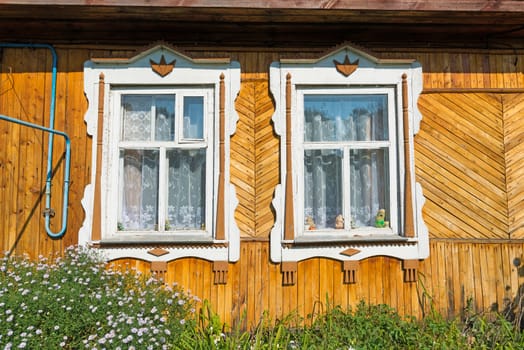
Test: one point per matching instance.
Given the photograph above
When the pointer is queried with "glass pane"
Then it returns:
(165, 118)
(194, 117)
(345, 118)
(136, 119)
(322, 188)
(369, 183)
(139, 195)
(186, 189)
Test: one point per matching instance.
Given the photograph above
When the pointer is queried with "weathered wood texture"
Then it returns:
(467, 155)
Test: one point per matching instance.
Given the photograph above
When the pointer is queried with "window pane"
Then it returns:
(165, 118)
(369, 185)
(322, 188)
(140, 190)
(194, 117)
(345, 118)
(186, 189)
(136, 123)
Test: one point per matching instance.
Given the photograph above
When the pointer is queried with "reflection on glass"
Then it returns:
(345, 118)
(186, 189)
(139, 197)
(165, 118)
(369, 185)
(323, 191)
(194, 117)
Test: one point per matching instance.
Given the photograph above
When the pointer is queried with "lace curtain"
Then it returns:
(340, 122)
(185, 171)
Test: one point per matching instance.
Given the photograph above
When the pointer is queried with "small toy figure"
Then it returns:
(310, 224)
(379, 219)
(339, 222)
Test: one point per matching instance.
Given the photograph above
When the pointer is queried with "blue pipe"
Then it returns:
(66, 173)
(52, 132)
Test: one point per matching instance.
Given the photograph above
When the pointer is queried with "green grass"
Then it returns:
(76, 302)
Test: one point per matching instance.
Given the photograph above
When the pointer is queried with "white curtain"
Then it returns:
(186, 189)
(140, 190)
(185, 170)
(323, 173)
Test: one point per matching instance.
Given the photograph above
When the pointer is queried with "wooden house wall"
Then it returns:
(468, 159)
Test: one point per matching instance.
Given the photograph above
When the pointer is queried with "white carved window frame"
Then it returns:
(223, 77)
(288, 77)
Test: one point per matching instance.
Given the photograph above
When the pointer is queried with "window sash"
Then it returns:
(303, 143)
(204, 144)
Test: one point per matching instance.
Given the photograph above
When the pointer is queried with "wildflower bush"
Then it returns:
(76, 302)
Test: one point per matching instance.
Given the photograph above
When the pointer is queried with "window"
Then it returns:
(161, 123)
(164, 151)
(349, 160)
(347, 191)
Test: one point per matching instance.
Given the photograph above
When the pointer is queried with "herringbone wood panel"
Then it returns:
(254, 158)
(514, 147)
(461, 166)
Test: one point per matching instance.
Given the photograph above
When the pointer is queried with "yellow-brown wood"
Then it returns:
(220, 233)
(514, 154)
(254, 157)
(408, 228)
(289, 222)
(463, 176)
(96, 234)
(468, 159)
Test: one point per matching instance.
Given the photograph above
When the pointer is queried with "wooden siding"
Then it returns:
(460, 164)
(254, 157)
(514, 151)
(468, 161)
(457, 273)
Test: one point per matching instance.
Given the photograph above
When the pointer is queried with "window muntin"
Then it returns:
(348, 161)
(164, 179)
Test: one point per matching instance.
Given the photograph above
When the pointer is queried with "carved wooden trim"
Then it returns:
(289, 272)
(159, 269)
(289, 225)
(347, 67)
(350, 251)
(158, 244)
(220, 223)
(350, 269)
(220, 269)
(410, 268)
(96, 233)
(162, 68)
(158, 252)
(409, 229)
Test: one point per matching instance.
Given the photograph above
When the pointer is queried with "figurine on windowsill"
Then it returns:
(339, 222)
(379, 219)
(310, 224)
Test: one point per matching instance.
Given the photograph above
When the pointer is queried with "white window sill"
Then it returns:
(156, 238)
(325, 238)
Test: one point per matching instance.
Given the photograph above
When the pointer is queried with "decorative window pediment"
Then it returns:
(161, 123)
(347, 190)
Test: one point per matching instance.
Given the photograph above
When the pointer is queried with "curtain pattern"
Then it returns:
(186, 189)
(185, 170)
(140, 190)
(341, 122)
